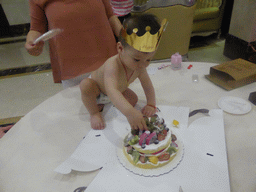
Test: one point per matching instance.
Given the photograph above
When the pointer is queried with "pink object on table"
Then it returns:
(176, 60)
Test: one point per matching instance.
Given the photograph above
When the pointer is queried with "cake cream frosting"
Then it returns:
(153, 148)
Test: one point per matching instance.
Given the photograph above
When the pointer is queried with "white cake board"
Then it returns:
(203, 168)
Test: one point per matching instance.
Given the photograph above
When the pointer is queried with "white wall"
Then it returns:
(243, 20)
(16, 11)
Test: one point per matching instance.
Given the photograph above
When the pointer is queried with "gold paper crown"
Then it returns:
(147, 42)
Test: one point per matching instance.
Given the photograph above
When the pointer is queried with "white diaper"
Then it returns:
(103, 99)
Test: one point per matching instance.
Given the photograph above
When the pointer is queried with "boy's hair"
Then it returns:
(140, 22)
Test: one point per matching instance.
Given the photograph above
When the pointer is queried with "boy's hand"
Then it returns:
(137, 121)
(148, 110)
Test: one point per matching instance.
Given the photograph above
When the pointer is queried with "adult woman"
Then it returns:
(87, 39)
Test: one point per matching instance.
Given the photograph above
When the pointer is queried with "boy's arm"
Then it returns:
(111, 83)
(149, 91)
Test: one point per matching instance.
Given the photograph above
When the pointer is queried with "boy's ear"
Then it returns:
(120, 47)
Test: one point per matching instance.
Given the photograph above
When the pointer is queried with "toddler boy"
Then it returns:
(137, 44)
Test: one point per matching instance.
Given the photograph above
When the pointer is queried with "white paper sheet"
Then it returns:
(203, 168)
(113, 177)
(99, 146)
(152, 70)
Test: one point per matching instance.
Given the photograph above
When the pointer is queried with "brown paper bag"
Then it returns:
(233, 74)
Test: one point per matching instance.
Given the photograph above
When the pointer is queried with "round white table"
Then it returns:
(50, 133)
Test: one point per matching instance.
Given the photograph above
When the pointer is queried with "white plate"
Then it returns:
(48, 35)
(234, 105)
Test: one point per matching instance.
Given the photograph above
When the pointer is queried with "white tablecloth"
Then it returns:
(50, 133)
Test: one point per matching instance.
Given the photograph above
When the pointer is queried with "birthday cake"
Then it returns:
(153, 148)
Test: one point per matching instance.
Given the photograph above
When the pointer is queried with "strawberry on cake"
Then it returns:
(153, 148)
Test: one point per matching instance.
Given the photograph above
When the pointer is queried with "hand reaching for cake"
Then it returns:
(149, 110)
(153, 148)
(136, 120)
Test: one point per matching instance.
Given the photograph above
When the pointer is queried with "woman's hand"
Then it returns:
(34, 49)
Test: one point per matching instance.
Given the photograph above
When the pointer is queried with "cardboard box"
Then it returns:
(233, 74)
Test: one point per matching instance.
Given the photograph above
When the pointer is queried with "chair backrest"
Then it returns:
(208, 3)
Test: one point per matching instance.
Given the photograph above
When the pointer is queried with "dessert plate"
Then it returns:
(234, 105)
(48, 35)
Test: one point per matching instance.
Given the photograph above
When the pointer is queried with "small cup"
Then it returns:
(176, 60)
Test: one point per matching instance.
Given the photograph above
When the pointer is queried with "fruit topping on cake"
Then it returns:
(152, 148)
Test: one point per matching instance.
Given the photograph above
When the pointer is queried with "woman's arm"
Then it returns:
(38, 26)
(37, 16)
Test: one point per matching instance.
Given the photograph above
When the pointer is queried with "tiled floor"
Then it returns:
(21, 93)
